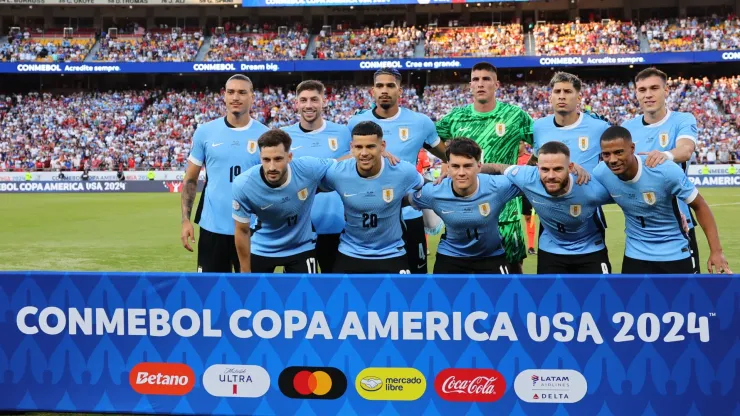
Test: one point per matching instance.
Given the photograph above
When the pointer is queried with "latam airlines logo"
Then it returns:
(550, 386)
(228, 380)
(470, 385)
(167, 379)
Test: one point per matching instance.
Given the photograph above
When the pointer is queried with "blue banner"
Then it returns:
(403, 344)
(412, 64)
(92, 186)
(715, 180)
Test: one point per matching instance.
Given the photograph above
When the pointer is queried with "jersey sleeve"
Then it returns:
(599, 194)
(536, 138)
(517, 174)
(526, 127)
(687, 128)
(351, 123)
(678, 183)
(345, 138)
(327, 182)
(431, 137)
(317, 166)
(239, 205)
(444, 127)
(198, 152)
(423, 198)
(414, 180)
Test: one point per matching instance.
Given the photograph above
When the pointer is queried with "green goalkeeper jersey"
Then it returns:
(497, 132)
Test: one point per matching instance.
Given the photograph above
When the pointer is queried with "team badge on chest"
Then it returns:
(388, 195)
(484, 209)
(333, 144)
(303, 194)
(649, 198)
(403, 133)
(583, 143)
(663, 139)
(575, 210)
(500, 129)
(251, 147)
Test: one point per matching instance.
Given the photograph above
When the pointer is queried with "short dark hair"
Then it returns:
(484, 66)
(311, 85)
(566, 77)
(367, 128)
(275, 137)
(615, 133)
(389, 71)
(462, 146)
(554, 148)
(241, 77)
(651, 72)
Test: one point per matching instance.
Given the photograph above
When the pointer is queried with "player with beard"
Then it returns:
(571, 235)
(317, 137)
(656, 242)
(405, 133)
(281, 193)
(226, 147)
(469, 204)
(664, 135)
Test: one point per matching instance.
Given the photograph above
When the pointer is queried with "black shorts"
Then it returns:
(298, 263)
(470, 265)
(591, 263)
(694, 247)
(327, 248)
(217, 253)
(526, 206)
(634, 266)
(416, 245)
(353, 265)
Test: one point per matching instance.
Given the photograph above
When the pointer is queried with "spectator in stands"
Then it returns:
(379, 43)
(577, 38)
(263, 46)
(150, 47)
(475, 41)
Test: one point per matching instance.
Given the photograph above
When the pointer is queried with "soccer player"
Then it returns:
(577, 130)
(469, 204)
(571, 236)
(405, 133)
(498, 128)
(663, 135)
(656, 242)
(372, 192)
(280, 192)
(527, 211)
(225, 147)
(314, 136)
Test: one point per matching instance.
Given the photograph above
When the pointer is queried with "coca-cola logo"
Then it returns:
(470, 385)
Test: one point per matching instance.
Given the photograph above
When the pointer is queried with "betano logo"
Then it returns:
(167, 379)
(385, 383)
(327, 383)
(550, 386)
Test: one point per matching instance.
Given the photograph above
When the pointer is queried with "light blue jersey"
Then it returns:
(662, 136)
(582, 138)
(372, 207)
(650, 205)
(405, 134)
(225, 152)
(570, 223)
(471, 223)
(331, 140)
(284, 226)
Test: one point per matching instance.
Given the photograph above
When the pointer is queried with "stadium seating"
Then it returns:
(150, 47)
(259, 46)
(475, 41)
(692, 34)
(368, 43)
(46, 49)
(573, 38)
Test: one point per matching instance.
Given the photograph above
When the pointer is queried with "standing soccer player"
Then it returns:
(577, 130)
(497, 128)
(469, 204)
(405, 133)
(280, 192)
(372, 192)
(663, 135)
(572, 239)
(656, 242)
(225, 147)
(314, 136)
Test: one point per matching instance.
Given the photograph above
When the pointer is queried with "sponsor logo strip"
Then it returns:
(550, 386)
(230, 380)
(167, 379)
(470, 385)
(324, 383)
(386, 383)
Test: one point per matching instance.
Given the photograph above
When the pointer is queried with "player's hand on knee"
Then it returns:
(654, 158)
(391, 159)
(187, 235)
(582, 176)
(717, 263)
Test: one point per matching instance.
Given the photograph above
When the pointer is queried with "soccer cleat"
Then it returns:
(531, 251)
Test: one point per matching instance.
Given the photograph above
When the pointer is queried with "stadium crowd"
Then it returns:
(577, 38)
(150, 47)
(396, 42)
(259, 46)
(153, 129)
(27, 47)
(475, 41)
(692, 34)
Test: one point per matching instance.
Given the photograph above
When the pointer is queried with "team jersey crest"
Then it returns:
(484, 209)
(583, 143)
(303, 194)
(575, 210)
(403, 133)
(500, 129)
(333, 144)
(251, 147)
(649, 198)
(663, 139)
(388, 195)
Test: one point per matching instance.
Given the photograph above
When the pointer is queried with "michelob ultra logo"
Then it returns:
(386, 383)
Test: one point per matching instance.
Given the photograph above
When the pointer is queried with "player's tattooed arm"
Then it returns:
(493, 168)
(717, 262)
(189, 189)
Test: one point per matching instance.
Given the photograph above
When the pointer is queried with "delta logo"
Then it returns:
(550, 386)
(230, 380)
(165, 379)
(470, 385)
(386, 383)
(322, 383)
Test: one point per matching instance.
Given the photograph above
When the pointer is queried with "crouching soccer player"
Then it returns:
(469, 204)
(656, 241)
(280, 192)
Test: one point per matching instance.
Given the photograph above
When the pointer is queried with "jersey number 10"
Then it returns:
(234, 171)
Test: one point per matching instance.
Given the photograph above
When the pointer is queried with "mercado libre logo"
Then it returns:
(166, 379)
(386, 383)
(324, 383)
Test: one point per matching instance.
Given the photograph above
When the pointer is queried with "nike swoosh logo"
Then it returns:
(616, 196)
(447, 212)
(267, 206)
(216, 144)
(348, 195)
(295, 148)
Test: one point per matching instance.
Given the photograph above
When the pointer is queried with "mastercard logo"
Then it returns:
(323, 383)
